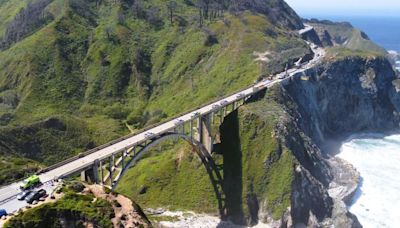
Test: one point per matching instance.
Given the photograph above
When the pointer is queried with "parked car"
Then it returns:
(3, 212)
(23, 194)
(30, 182)
(35, 195)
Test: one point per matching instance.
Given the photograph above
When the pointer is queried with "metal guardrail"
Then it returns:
(84, 154)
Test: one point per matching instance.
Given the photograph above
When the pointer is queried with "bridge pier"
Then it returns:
(191, 128)
(91, 175)
(101, 173)
(110, 168)
(204, 135)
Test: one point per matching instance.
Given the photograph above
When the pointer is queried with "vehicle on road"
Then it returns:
(148, 135)
(224, 102)
(282, 76)
(267, 80)
(215, 106)
(35, 195)
(30, 182)
(196, 114)
(3, 212)
(23, 194)
(178, 122)
(258, 88)
(240, 95)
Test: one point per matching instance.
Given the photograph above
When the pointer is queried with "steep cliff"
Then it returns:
(351, 95)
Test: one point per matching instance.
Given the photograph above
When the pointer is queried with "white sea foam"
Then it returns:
(192, 220)
(377, 201)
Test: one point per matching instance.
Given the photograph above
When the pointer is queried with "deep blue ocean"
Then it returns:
(384, 31)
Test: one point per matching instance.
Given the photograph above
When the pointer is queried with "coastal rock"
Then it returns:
(344, 97)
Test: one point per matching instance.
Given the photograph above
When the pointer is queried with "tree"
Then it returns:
(171, 5)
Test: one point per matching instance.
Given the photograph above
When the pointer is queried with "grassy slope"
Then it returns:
(177, 179)
(258, 145)
(341, 53)
(14, 167)
(174, 178)
(91, 66)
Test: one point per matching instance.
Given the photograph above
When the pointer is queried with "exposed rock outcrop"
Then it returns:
(349, 96)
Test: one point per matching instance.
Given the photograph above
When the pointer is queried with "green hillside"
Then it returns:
(96, 66)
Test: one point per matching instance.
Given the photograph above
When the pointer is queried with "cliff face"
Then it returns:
(298, 120)
(336, 99)
(352, 95)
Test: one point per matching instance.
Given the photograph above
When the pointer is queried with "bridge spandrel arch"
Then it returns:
(201, 151)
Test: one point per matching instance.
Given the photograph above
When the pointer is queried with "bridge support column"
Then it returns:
(113, 159)
(191, 128)
(91, 175)
(101, 173)
(204, 132)
(134, 151)
(122, 159)
(110, 169)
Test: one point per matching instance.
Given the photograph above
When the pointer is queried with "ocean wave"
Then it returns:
(377, 200)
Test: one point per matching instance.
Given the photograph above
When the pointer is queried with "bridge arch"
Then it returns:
(205, 157)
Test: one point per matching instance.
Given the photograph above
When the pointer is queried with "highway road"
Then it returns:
(10, 191)
(13, 204)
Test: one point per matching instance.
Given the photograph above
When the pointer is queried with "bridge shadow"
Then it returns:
(228, 186)
(230, 148)
(215, 176)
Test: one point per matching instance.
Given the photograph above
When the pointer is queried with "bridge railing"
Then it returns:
(57, 165)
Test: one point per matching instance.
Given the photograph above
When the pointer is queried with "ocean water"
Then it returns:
(377, 201)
